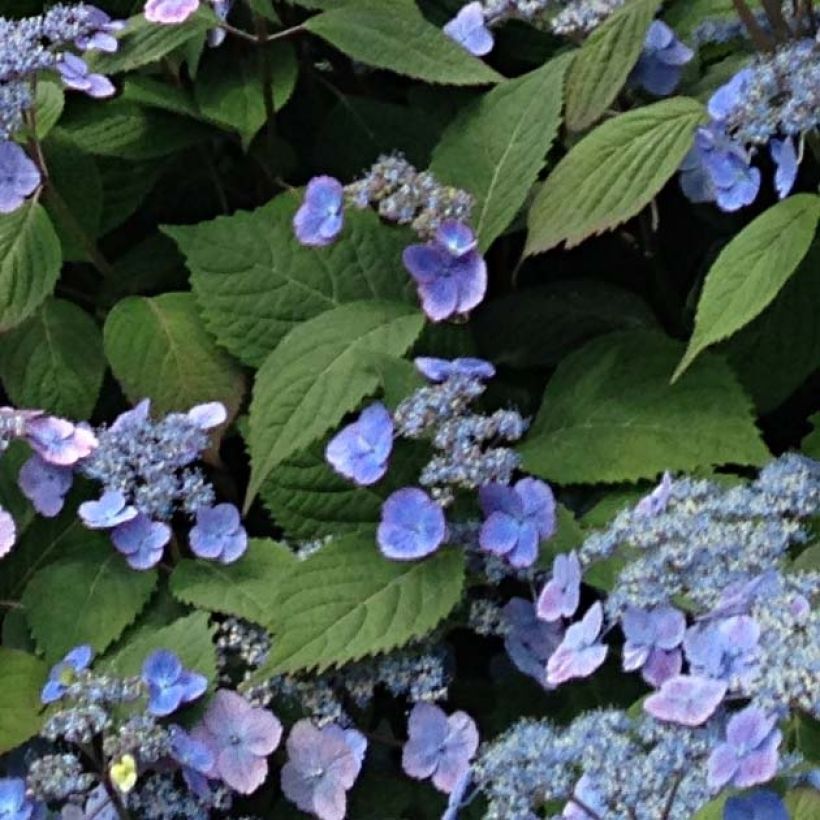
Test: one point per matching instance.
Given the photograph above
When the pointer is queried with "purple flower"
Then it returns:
(64, 673)
(45, 485)
(110, 511)
(320, 217)
(169, 12)
(586, 793)
(661, 63)
(717, 169)
(450, 273)
(240, 737)
(8, 533)
(686, 699)
(169, 684)
(412, 525)
(360, 451)
(322, 765)
(784, 157)
(562, 593)
(439, 370)
(579, 654)
(194, 756)
(439, 746)
(218, 533)
(207, 416)
(516, 519)
(655, 503)
(75, 73)
(102, 37)
(761, 804)
(456, 799)
(724, 649)
(141, 540)
(470, 31)
(58, 441)
(98, 806)
(529, 641)
(19, 176)
(749, 754)
(652, 637)
(132, 418)
(14, 804)
(723, 102)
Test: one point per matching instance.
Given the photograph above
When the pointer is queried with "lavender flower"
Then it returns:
(8, 533)
(724, 649)
(580, 653)
(469, 30)
(652, 637)
(686, 699)
(58, 441)
(64, 673)
(440, 370)
(450, 273)
(322, 766)
(169, 12)
(141, 540)
(100, 31)
(784, 156)
(660, 65)
(361, 450)
(45, 485)
(562, 593)
(439, 746)
(19, 176)
(75, 73)
(412, 525)
(219, 534)
(529, 641)
(110, 511)
(320, 218)
(194, 756)
(169, 684)
(655, 503)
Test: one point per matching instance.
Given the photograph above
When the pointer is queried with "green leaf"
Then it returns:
(30, 262)
(247, 588)
(89, 598)
(609, 414)
(686, 15)
(254, 282)
(317, 374)
(751, 270)
(397, 37)
(124, 186)
(612, 173)
(154, 93)
(568, 536)
(811, 443)
(23, 677)
(158, 348)
(347, 601)
(54, 361)
(803, 804)
(229, 90)
(603, 62)
(496, 147)
(189, 638)
(48, 106)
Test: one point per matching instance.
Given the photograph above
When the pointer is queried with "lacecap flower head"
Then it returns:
(320, 217)
(412, 525)
(361, 450)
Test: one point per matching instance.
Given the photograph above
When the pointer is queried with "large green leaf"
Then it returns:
(158, 348)
(603, 62)
(54, 361)
(254, 282)
(396, 37)
(751, 270)
(48, 106)
(811, 443)
(23, 676)
(496, 147)
(348, 601)
(247, 588)
(88, 598)
(317, 374)
(30, 260)
(612, 174)
(803, 804)
(609, 414)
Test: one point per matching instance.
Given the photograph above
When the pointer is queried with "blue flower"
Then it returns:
(655, 503)
(75, 73)
(749, 754)
(562, 593)
(784, 157)
(58, 441)
(761, 804)
(439, 746)
(102, 30)
(45, 485)
(661, 63)
(169, 684)
(320, 218)
(470, 31)
(361, 450)
(412, 525)
(516, 519)
(142, 541)
(724, 649)
(218, 533)
(19, 176)
(110, 511)
(729, 96)
(580, 653)
(64, 673)
(529, 641)
(586, 793)
(194, 756)
(439, 370)
(652, 640)
(450, 273)
(14, 805)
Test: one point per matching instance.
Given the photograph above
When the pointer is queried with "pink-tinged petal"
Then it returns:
(241, 770)
(8, 533)
(260, 730)
(330, 802)
(169, 12)
(749, 728)
(662, 665)
(670, 627)
(686, 699)
(758, 766)
(207, 416)
(722, 765)
(539, 506)
(634, 657)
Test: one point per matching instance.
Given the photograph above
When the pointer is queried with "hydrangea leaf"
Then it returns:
(496, 147)
(30, 260)
(811, 443)
(686, 17)
(23, 677)
(158, 348)
(347, 601)
(48, 106)
(751, 270)
(254, 282)
(245, 588)
(317, 374)
(124, 187)
(603, 62)
(189, 638)
(396, 36)
(54, 360)
(803, 804)
(609, 414)
(612, 173)
(88, 598)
